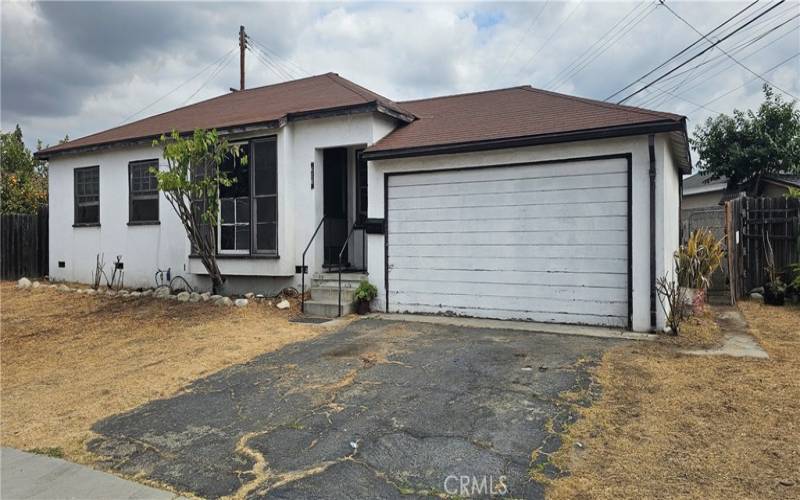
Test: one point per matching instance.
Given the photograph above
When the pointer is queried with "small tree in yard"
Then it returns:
(748, 145)
(191, 185)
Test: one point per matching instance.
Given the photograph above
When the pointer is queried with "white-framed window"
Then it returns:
(142, 192)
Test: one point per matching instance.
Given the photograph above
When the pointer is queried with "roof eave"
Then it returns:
(534, 140)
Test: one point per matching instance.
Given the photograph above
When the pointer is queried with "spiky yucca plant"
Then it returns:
(697, 260)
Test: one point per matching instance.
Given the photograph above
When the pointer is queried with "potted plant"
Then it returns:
(365, 292)
(696, 261)
(774, 288)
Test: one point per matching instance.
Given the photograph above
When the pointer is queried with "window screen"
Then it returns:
(87, 195)
(142, 191)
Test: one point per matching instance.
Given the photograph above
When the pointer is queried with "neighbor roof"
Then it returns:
(701, 183)
(262, 105)
(514, 116)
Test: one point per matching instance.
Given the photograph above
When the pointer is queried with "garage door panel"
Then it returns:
(521, 304)
(618, 222)
(499, 264)
(532, 211)
(531, 185)
(508, 200)
(479, 175)
(598, 279)
(522, 290)
(509, 252)
(500, 313)
(539, 238)
(540, 242)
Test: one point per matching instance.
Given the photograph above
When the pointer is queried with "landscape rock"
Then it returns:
(194, 297)
(205, 296)
(223, 302)
(91, 292)
(249, 295)
(162, 291)
(183, 297)
(110, 293)
(63, 288)
(136, 294)
(260, 296)
(171, 297)
(215, 297)
(284, 304)
(147, 293)
(757, 296)
(240, 302)
(35, 284)
(23, 283)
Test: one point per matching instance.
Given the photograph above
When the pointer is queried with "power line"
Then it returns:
(680, 53)
(576, 62)
(555, 31)
(283, 61)
(217, 71)
(178, 87)
(687, 23)
(696, 55)
(745, 83)
(282, 73)
(715, 60)
(521, 39)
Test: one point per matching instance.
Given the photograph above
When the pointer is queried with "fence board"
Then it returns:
(24, 245)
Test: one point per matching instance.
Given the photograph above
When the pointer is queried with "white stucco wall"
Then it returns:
(144, 249)
(636, 146)
(667, 214)
(147, 248)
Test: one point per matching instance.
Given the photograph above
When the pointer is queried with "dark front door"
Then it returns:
(335, 203)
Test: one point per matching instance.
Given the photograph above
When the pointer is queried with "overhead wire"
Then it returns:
(524, 68)
(519, 43)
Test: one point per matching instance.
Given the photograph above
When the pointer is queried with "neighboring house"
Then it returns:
(515, 203)
(699, 191)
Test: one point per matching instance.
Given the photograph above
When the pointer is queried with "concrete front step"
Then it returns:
(356, 277)
(328, 308)
(331, 294)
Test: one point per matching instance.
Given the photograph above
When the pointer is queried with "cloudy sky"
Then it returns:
(78, 68)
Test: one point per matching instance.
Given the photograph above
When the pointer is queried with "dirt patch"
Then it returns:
(700, 331)
(671, 425)
(69, 360)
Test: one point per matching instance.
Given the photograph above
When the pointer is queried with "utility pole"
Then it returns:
(242, 46)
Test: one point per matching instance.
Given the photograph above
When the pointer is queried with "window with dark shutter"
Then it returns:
(361, 188)
(264, 156)
(87, 195)
(142, 192)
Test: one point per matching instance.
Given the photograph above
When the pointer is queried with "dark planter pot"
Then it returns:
(362, 307)
(774, 297)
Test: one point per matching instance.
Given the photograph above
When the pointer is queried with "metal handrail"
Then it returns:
(303, 268)
(353, 229)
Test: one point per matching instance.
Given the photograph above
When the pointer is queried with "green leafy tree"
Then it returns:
(748, 145)
(23, 178)
(191, 184)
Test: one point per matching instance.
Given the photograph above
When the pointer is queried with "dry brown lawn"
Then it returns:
(672, 425)
(68, 360)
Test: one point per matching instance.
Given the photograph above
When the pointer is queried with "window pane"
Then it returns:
(267, 236)
(227, 238)
(267, 209)
(144, 210)
(243, 237)
(88, 214)
(265, 162)
(87, 197)
(242, 209)
(227, 214)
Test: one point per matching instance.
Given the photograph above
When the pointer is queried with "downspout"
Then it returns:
(651, 146)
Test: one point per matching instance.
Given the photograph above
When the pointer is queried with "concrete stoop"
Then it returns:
(324, 292)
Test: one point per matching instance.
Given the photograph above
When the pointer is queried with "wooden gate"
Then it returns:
(749, 221)
(24, 245)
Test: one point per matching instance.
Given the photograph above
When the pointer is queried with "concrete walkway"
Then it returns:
(737, 341)
(26, 475)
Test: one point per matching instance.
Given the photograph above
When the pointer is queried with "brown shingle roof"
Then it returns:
(248, 107)
(507, 114)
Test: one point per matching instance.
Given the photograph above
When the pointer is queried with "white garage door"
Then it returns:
(542, 242)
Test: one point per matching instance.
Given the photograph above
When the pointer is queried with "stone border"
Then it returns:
(162, 292)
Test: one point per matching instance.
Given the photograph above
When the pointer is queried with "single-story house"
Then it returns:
(699, 191)
(515, 203)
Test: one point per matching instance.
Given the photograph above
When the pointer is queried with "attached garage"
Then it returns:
(543, 241)
(523, 204)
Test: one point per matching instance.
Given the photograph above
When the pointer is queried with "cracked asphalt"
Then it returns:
(380, 409)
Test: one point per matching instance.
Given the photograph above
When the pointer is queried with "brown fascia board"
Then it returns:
(535, 140)
(268, 125)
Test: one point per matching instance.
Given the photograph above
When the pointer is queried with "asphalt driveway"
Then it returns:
(381, 409)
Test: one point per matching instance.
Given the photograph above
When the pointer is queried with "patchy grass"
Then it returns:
(49, 452)
(672, 425)
(699, 331)
(69, 360)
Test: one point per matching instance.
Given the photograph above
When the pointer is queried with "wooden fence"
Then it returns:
(749, 221)
(23, 245)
